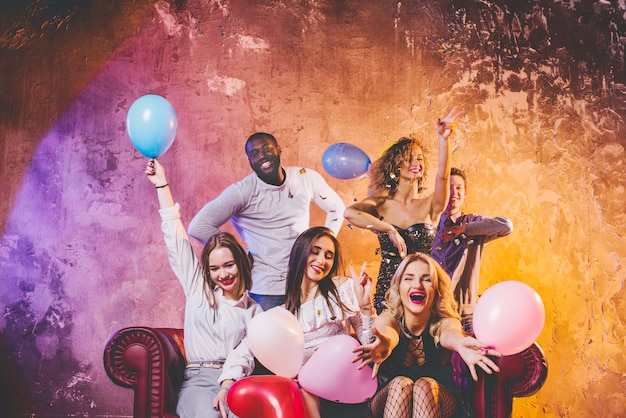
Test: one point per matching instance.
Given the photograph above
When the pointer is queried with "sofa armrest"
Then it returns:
(151, 361)
(521, 374)
(530, 371)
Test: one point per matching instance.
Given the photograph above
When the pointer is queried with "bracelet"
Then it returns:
(222, 388)
(366, 306)
(160, 187)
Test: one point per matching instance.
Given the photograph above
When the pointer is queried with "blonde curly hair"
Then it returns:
(444, 306)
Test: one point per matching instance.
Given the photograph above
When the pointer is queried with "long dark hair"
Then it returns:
(297, 267)
(242, 260)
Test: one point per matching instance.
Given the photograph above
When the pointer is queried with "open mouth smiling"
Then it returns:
(417, 297)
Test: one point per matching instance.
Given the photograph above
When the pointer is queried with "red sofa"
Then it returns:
(151, 361)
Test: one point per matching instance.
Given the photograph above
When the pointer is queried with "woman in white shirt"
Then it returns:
(327, 305)
(217, 308)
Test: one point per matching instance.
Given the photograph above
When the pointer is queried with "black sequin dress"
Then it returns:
(419, 238)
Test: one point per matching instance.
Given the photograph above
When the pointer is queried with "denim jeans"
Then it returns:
(268, 302)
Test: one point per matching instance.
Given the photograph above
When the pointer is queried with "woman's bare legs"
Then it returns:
(311, 404)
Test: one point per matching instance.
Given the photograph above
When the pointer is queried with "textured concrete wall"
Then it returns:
(81, 252)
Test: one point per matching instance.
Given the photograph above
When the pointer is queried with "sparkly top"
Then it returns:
(419, 238)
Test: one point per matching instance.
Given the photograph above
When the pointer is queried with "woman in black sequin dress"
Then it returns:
(397, 210)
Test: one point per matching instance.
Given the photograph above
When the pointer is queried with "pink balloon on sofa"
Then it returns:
(509, 316)
(330, 373)
(265, 396)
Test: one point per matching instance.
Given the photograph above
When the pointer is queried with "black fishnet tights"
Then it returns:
(424, 398)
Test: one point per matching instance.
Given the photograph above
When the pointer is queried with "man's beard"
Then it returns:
(271, 175)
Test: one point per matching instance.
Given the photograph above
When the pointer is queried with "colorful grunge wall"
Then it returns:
(81, 252)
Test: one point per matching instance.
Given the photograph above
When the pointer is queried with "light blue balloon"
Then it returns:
(345, 161)
(151, 125)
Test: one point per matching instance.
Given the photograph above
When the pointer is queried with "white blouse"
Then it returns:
(211, 333)
(319, 323)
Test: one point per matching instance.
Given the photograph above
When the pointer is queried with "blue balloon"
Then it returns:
(345, 161)
(151, 125)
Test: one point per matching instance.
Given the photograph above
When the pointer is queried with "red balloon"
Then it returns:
(266, 396)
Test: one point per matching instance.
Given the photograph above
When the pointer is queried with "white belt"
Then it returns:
(207, 364)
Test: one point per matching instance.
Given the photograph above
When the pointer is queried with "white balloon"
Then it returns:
(277, 341)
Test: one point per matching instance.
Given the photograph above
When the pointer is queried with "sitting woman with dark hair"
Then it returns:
(325, 304)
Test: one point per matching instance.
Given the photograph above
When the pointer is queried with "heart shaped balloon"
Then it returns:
(330, 373)
(265, 397)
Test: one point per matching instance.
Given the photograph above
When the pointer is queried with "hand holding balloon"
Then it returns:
(151, 125)
(156, 173)
(509, 316)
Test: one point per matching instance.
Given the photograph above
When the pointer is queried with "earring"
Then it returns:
(392, 183)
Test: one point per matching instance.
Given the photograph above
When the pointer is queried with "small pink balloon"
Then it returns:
(509, 316)
(330, 373)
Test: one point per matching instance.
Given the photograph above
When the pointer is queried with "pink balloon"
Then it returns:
(277, 341)
(265, 397)
(330, 373)
(509, 316)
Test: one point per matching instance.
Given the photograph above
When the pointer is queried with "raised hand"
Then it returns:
(156, 173)
(445, 126)
(362, 286)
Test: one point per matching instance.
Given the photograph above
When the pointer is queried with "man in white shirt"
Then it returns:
(269, 209)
